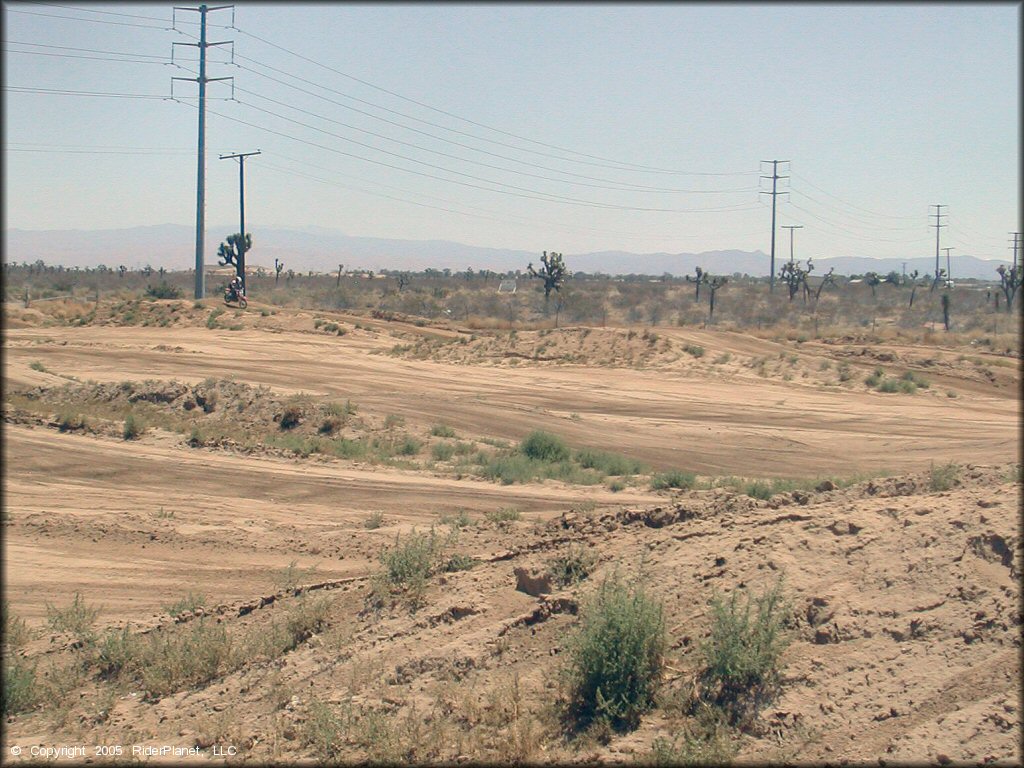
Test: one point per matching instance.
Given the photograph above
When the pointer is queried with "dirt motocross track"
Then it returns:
(904, 600)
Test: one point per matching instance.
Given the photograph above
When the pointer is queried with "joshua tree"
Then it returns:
(122, 270)
(403, 281)
(701, 277)
(1009, 282)
(714, 283)
(278, 266)
(945, 310)
(872, 279)
(913, 287)
(827, 279)
(553, 273)
(228, 251)
(795, 277)
(341, 268)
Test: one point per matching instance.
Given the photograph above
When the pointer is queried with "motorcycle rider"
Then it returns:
(235, 287)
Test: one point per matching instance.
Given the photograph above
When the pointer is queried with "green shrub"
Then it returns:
(673, 479)
(394, 420)
(186, 659)
(187, 604)
(409, 446)
(544, 446)
(616, 659)
(461, 520)
(917, 379)
(163, 291)
(573, 566)
(70, 421)
(615, 486)
(723, 358)
(408, 565)
(459, 562)
(694, 349)
(442, 451)
(374, 521)
(742, 654)
(349, 449)
(607, 463)
(503, 515)
(890, 386)
(442, 430)
(211, 321)
(133, 427)
(15, 631)
(20, 688)
(76, 619)
(35, 365)
(944, 478)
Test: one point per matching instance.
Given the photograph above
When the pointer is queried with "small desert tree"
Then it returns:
(278, 266)
(553, 273)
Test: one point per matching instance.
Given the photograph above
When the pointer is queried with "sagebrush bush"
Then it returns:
(615, 661)
(133, 427)
(673, 479)
(572, 566)
(19, 689)
(945, 477)
(76, 619)
(290, 417)
(503, 515)
(442, 430)
(408, 565)
(747, 639)
(544, 446)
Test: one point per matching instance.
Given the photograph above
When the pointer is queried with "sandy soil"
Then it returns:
(904, 601)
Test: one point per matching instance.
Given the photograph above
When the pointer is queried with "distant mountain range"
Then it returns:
(172, 246)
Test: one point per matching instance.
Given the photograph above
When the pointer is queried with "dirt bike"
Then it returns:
(231, 295)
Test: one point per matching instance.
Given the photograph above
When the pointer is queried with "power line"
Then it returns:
(531, 192)
(8, 9)
(64, 92)
(625, 166)
(85, 50)
(92, 58)
(621, 187)
(865, 210)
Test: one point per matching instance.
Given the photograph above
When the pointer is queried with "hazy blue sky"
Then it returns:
(556, 116)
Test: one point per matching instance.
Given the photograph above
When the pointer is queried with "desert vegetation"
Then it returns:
(612, 524)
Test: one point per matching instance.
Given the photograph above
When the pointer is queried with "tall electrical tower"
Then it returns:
(774, 193)
(201, 173)
(938, 225)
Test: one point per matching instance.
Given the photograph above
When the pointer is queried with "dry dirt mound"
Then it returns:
(903, 614)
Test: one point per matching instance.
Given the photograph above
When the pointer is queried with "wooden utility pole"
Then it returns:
(240, 260)
(791, 227)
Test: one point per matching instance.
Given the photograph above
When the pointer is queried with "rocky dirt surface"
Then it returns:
(903, 592)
